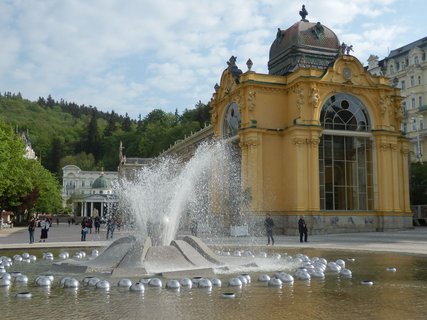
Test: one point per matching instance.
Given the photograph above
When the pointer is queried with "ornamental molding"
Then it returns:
(388, 146)
(314, 142)
(299, 92)
(249, 142)
(252, 100)
(270, 89)
(398, 113)
(405, 151)
(384, 103)
(237, 99)
(214, 118)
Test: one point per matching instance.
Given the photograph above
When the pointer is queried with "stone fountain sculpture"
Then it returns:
(156, 200)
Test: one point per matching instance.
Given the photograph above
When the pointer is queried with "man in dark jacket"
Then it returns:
(302, 228)
(31, 229)
(269, 224)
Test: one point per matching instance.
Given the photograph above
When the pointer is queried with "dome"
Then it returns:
(304, 45)
(101, 183)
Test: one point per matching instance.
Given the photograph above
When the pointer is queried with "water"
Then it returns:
(394, 295)
(171, 192)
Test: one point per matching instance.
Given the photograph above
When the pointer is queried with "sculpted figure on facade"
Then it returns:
(384, 104)
(315, 96)
(251, 100)
(299, 91)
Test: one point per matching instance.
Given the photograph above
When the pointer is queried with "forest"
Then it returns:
(63, 133)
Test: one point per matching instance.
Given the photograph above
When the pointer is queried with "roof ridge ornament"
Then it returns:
(303, 13)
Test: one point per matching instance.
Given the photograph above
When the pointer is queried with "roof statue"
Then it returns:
(303, 13)
(345, 49)
(234, 70)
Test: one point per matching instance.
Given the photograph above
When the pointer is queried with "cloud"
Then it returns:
(137, 55)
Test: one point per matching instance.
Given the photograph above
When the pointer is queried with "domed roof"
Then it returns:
(303, 45)
(101, 183)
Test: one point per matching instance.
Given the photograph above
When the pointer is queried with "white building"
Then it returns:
(28, 152)
(88, 193)
(407, 69)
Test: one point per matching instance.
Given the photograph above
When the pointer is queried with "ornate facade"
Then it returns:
(406, 67)
(88, 193)
(319, 136)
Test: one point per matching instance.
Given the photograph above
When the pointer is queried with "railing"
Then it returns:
(191, 140)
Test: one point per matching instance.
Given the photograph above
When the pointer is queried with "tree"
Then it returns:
(55, 156)
(93, 138)
(127, 124)
(25, 184)
(15, 182)
(46, 187)
(418, 183)
(82, 160)
(111, 125)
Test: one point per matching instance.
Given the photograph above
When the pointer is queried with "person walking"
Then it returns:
(302, 228)
(111, 226)
(85, 229)
(31, 229)
(89, 224)
(45, 225)
(269, 224)
(97, 224)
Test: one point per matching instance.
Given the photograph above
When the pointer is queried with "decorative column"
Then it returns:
(82, 207)
(405, 205)
(303, 169)
(252, 166)
(101, 210)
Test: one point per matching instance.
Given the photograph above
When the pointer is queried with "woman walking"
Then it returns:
(45, 225)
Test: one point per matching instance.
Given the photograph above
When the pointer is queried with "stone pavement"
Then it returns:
(412, 241)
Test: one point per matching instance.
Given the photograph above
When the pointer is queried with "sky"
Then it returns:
(134, 56)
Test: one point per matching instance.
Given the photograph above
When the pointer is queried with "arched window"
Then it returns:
(345, 155)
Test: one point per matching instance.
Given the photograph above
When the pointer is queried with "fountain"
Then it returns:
(164, 196)
(161, 272)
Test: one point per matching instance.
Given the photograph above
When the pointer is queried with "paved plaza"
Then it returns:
(412, 241)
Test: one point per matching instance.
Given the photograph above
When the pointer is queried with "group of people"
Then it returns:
(45, 225)
(269, 224)
(87, 225)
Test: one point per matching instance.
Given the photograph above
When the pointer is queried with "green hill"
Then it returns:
(64, 133)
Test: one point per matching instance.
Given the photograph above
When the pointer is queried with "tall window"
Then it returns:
(345, 155)
(412, 81)
(403, 84)
(420, 101)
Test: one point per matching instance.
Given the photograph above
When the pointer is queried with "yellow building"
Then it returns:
(319, 136)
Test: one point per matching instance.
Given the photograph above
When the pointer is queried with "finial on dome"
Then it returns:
(303, 13)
